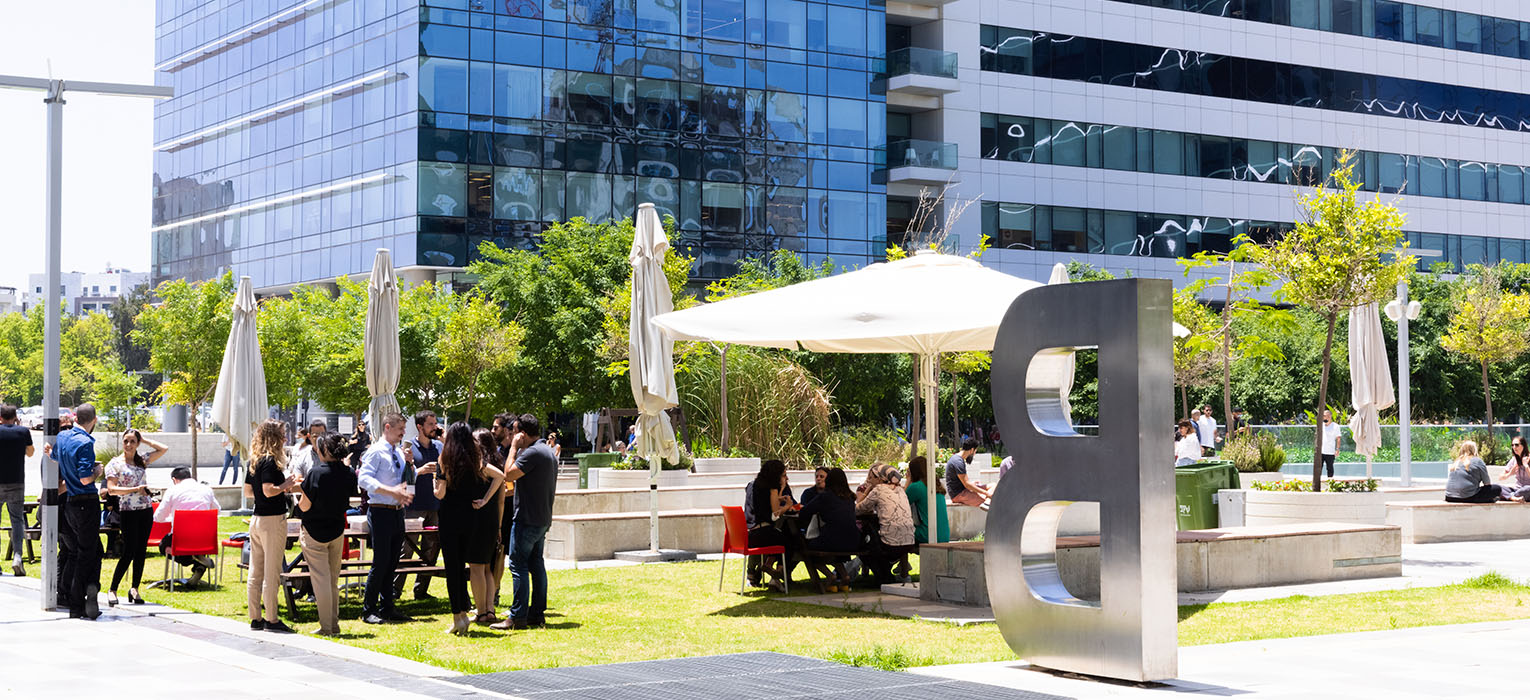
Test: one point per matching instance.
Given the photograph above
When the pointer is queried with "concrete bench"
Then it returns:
(1207, 560)
(1423, 523)
(601, 535)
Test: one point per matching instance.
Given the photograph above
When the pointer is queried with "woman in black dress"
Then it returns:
(465, 487)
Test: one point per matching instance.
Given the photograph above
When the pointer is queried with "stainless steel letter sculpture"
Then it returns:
(1130, 633)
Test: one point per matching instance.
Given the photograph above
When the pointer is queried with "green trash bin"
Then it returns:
(1195, 490)
(594, 460)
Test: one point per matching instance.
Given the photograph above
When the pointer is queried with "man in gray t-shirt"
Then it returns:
(535, 474)
(959, 488)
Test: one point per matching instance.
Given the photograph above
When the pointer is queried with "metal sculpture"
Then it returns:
(1130, 633)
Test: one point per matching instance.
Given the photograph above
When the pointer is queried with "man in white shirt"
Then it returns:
(185, 494)
(1207, 427)
(1332, 434)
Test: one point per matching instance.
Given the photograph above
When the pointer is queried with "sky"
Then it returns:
(108, 141)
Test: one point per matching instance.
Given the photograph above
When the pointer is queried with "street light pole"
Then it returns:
(53, 202)
(1404, 397)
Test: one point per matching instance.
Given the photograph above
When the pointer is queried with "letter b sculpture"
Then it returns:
(1130, 633)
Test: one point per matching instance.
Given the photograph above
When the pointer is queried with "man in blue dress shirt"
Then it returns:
(80, 550)
(383, 475)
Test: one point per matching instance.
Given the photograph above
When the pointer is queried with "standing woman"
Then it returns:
(322, 500)
(464, 488)
(126, 479)
(494, 522)
(268, 528)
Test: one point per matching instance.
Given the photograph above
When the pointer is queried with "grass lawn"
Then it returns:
(672, 610)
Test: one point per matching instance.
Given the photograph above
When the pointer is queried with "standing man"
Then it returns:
(960, 489)
(80, 538)
(382, 477)
(15, 448)
(1331, 437)
(424, 449)
(1208, 430)
(535, 474)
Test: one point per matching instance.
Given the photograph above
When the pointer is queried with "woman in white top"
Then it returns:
(1187, 448)
(126, 478)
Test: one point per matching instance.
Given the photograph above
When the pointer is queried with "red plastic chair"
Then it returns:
(230, 544)
(157, 533)
(736, 541)
(196, 534)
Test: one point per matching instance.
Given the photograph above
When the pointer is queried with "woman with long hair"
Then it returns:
(768, 497)
(269, 485)
(1518, 469)
(918, 502)
(837, 531)
(126, 478)
(465, 485)
(324, 496)
(1468, 481)
(488, 448)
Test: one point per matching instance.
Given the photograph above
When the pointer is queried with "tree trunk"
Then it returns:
(1184, 400)
(1227, 353)
(1487, 397)
(472, 392)
(1317, 440)
(913, 428)
(196, 413)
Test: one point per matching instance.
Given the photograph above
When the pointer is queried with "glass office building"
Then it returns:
(304, 135)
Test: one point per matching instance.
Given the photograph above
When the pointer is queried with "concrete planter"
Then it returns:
(607, 478)
(1263, 508)
(709, 465)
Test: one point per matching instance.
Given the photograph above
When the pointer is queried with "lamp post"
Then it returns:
(1402, 311)
(53, 203)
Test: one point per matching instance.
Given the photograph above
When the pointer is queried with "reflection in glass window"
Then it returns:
(1473, 181)
(1120, 147)
(589, 196)
(848, 35)
(1015, 226)
(1432, 177)
(1511, 184)
(443, 189)
(1168, 152)
(517, 193)
(443, 85)
(1069, 230)
(1120, 232)
(1068, 141)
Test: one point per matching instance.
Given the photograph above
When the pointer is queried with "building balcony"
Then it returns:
(919, 162)
(917, 77)
(922, 10)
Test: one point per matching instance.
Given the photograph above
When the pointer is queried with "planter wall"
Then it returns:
(710, 465)
(607, 478)
(1263, 508)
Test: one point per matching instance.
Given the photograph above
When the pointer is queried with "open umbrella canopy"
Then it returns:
(380, 352)
(927, 303)
(239, 401)
(650, 353)
(1370, 377)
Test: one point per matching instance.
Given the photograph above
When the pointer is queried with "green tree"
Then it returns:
(116, 392)
(424, 311)
(1236, 288)
(1334, 260)
(186, 334)
(476, 341)
(1490, 326)
(336, 376)
(21, 341)
(287, 346)
(1195, 360)
(85, 341)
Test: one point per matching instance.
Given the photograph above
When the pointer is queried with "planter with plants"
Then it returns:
(1357, 501)
(632, 473)
(1258, 458)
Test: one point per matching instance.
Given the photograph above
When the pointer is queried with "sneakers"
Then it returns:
(373, 619)
(278, 626)
(18, 569)
(257, 625)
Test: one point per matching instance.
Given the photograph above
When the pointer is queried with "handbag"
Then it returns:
(813, 527)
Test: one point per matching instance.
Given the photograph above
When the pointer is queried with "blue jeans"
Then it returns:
(230, 466)
(526, 543)
(387, 526)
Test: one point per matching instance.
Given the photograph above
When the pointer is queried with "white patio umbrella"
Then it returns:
(1370, 380)
(380, 351)
(926, 304)
(239, 401)
(651, 365)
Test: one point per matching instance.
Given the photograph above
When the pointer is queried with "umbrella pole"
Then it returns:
(932, 523)
(653, 501)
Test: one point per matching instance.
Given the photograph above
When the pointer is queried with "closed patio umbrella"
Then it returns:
(239, 400)
(380, 351)
(651, 366)
(1370, 380)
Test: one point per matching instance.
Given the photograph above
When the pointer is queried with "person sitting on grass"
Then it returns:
(1468, 481)
(886, 500)
(836, 530)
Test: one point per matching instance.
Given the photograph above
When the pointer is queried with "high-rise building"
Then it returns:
(1127, 133)
(304, 135)
(84, 292)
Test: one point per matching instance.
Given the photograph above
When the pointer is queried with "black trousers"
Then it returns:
(81, 567)
(1328, 464)
(135, 525)
(387, 525)
(1486, 494)
(453, 536)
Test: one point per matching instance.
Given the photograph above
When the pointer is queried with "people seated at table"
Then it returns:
(1187, 447)
(467, 487)
(184, 493)
(965, 490)
(808, 494)
(918, 500)
(1517, 472)
(830, 522)
(887, 553)
(126, 478)
(269, 485)
(766, 498)
(323, 497)
(1468, 480)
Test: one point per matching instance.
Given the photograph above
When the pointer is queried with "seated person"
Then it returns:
(963, 490)
(1518, 470)
(1468, 481)
(185, 494)
(888, 553)
(836, 530)
(817, 488)
(918, 503)
(767, 499)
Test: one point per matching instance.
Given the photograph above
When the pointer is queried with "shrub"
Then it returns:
(1286, 485)
(633, 462)
(863, 446)
(1255, 453)
(776, 408)
(1489, 447)
(1353, 485)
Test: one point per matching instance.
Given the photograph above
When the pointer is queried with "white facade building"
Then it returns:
(85, 292)
(1127, 133)
(10, 300)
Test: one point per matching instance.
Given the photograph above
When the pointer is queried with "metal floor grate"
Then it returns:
(755, 675)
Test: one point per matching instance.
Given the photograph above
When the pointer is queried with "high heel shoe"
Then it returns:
(111, 599)
(134, 597)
